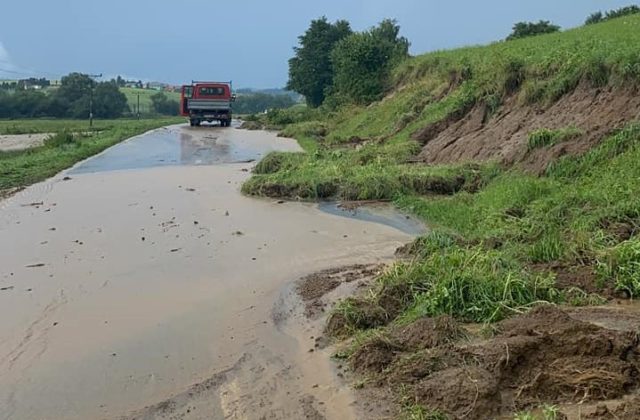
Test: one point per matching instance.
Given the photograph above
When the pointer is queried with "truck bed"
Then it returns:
(208, 104)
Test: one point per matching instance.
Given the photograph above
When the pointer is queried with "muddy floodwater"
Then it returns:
(142, 284)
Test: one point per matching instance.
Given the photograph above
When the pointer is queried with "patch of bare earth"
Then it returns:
(314, 287)
(22, 141)
(477, 136)
(547, 356)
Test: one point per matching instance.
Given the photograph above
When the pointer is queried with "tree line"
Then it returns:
(72, 99)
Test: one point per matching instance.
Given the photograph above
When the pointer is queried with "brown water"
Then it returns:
(149, 291)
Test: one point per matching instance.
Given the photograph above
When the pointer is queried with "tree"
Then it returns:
(362, 62)
(75, 86)
(526, 29)
(310, 70)
(108, 101)
(75, 91)
(594, 18)
(163, 105)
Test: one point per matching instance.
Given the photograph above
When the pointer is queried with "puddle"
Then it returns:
(182, 146)
(381, 213)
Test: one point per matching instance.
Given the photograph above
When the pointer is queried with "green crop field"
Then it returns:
(71, 144)
(46, 125)
(494, 229)
(145, 98)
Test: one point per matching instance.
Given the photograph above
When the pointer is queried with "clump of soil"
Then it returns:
(426, 333)
(574, 275)
(545, 356)
(627, 410)
(621, 230)
(314, 287)
(251, 125)
(461, 392)
(375, 355)
(371, 312)
(358, 314)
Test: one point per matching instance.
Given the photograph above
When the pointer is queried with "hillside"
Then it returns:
(522, 157)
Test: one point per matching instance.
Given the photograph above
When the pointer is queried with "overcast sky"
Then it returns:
(247, 41)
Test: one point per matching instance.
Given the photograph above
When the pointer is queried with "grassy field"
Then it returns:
(145, 98)
(31, 126)
(71, 144)
(500, 239)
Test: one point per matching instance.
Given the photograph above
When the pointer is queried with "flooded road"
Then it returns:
(142, 284)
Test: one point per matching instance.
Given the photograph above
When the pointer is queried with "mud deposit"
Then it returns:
(546, 356)
(142, 284)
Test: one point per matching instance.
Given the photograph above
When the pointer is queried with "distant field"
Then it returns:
(20, 168)
(145, 98)
(32, 126)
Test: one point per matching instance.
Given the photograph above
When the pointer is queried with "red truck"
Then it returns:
(207, 101)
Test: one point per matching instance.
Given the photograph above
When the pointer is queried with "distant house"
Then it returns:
(156, 85)
(33, 84)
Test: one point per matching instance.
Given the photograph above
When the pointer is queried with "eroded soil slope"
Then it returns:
(476, 136)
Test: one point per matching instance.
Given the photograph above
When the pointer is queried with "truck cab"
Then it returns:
(207, 101)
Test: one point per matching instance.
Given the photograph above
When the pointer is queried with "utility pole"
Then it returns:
(91, 99)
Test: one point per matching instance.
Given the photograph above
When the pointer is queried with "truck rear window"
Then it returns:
(211, 91)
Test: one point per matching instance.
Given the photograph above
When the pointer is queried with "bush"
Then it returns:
(363, 61)
(622, 266)
(61, 139)
(598, 17)
(527, 29)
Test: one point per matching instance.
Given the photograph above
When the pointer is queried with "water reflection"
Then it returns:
(178, 145)
(381, 213)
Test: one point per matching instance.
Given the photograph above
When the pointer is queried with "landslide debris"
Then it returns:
(544, 356)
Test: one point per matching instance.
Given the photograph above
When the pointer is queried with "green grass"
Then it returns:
(31, 126)
(25, 167)
(497, 235)
(503, 225)
(544, 137)
(145, 98)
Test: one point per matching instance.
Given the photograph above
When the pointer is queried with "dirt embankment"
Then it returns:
(478, 136)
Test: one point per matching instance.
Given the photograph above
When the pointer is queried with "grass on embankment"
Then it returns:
(25, 167)
(501, 239)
